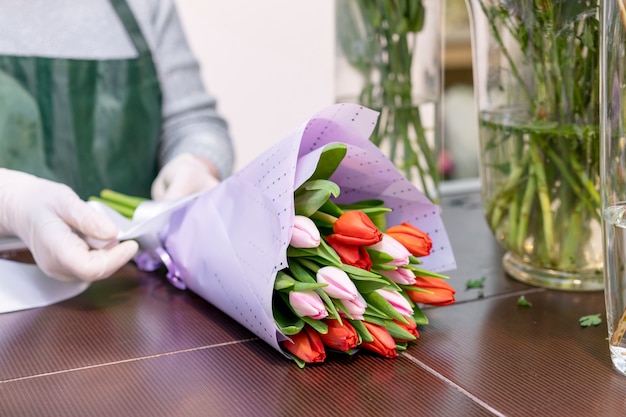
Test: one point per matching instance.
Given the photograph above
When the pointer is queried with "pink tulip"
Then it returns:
(340, 286)
(400, 276)
(304, 234)
(397, 301)
(355, 307)
(307, 304)
(392, 247)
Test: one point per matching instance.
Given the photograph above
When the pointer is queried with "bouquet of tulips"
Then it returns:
(351, 282)
(295, 245)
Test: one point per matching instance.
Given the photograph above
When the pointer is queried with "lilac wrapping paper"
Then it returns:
(228, 243)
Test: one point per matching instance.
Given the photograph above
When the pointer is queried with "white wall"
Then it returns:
(269, 62)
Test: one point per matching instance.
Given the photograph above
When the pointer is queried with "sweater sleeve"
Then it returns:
(191, 122)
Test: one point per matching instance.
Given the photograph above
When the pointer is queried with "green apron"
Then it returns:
(90, 124)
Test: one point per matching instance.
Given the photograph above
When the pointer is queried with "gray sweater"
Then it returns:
(90, 29)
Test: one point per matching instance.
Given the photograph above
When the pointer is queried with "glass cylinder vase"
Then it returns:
(536, 85)
(388, 58)
(613, 170)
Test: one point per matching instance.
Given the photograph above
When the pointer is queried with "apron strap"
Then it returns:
(132, 27)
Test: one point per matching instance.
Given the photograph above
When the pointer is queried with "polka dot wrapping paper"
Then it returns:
(228, 243)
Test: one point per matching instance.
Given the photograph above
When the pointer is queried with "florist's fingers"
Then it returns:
(95, 264)
(64, 255)
(85, 219)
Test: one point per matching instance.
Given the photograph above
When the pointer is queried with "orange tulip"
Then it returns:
(383, 343)
(341, 336)
(440, 292)
(306, 345)
(356, 256)
(412, 238)
(355, 228)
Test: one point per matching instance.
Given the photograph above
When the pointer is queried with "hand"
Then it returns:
(52, 221)
(184, 175)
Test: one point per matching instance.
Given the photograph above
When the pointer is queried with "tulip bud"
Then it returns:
(392, 247)
(416, 241)
(397, 300)
(440, 293)
(341, 336)
(306, 345)
(307, 304)
(383, 343)
(400, 276)
(355, 307)
(356, 256)
(355, 228)
(339, 286)
(304, 234)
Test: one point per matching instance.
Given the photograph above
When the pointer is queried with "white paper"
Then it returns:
(25, 286)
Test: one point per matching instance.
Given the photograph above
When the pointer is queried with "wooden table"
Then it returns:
(133, 345)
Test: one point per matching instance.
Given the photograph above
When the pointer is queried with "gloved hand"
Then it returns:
(52, 221)
(184, 175)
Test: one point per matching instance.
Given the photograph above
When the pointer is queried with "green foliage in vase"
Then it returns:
(379, 40)
(540, 139)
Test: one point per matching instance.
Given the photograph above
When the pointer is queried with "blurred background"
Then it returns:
(271, 65)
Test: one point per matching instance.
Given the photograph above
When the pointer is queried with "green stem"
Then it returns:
(543, 194)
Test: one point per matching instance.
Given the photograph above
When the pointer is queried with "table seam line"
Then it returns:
(454, 385)
(158, 355)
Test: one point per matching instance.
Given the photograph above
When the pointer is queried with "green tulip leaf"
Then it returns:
(308, 202)
(379, 258)
(360, 328)
(419, 316)
(329, 161)
(307, 286)
(328, 302)
(318, 326)
(402, 346)
(300, 273)
(363, 205)
(425, 273)
(415, 260)
(329, 207)
(368, 286)
(358, 272)
(378, 301)
(283, 281)
(398, 332)
(374, 318)
(287, 321)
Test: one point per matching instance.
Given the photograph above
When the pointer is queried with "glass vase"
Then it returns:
(536, 85)
(613, 167)
(388, 58)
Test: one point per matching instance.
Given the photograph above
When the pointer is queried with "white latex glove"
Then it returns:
(184, 175)
(52, 220)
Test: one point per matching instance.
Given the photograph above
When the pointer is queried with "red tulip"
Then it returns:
(306, 345)
(341, 336)
(440, 293)
(410, 327)
(383, 343)
(356, 256)
(416, 241)
(355, 228)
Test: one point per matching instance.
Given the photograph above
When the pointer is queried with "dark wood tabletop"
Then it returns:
(133, 345)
